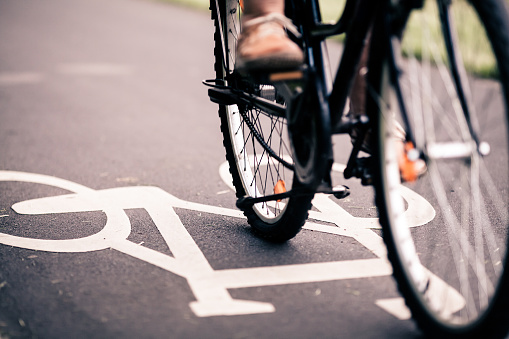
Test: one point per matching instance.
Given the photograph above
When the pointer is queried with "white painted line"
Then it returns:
(117, 225)
(214, 308)
(150, 256)
(303, 273)
(396, 307)
(209, 286)
(20, 78)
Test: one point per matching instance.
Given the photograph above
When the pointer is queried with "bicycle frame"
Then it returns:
(301, 109)
(325, 101)
(314, 34)
(356, 21)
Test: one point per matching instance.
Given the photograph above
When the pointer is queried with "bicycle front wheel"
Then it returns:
(256, 141)
(449, 90)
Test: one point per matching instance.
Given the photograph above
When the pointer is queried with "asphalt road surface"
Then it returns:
(116, 217)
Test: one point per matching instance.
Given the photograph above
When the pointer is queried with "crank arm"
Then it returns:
(228, 96)
(339, 192)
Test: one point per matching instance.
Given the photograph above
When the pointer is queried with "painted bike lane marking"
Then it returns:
(208, 285)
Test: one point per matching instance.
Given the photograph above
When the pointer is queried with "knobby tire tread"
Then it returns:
(296, 212)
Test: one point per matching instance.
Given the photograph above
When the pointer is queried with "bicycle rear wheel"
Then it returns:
(451, 265)
(256, 142)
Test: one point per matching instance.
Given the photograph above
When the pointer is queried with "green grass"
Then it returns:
(424, 32)
(331, 9)
(198, 4)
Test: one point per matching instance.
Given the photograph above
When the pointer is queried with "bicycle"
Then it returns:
(278, 128)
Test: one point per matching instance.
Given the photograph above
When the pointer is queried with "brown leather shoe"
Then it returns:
(264, 46)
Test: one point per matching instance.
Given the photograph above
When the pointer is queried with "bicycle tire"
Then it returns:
(255, 141)
(463, 240)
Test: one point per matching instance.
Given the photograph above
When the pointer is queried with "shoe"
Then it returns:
(264, 45)
(410, 170)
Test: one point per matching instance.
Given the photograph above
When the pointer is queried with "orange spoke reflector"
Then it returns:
(409, 169)
(280, 188)
(242, 5)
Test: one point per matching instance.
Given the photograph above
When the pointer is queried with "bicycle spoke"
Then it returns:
(459, 121)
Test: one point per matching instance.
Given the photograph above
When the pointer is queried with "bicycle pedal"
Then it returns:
(360, 168)
(341, 191)
(222, 96)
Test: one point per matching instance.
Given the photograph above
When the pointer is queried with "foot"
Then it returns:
(264, 45)
(410, 170)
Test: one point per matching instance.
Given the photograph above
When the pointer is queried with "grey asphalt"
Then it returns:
(108, 94)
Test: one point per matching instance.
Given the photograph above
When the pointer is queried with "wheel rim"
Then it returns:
(259, 172)
(454, 264)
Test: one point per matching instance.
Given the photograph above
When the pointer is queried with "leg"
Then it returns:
(258, 8)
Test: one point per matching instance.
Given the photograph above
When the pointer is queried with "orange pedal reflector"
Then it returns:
(280, 188)
(286, 76)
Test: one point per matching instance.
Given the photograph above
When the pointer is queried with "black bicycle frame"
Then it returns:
(325, 101)
(355, 21)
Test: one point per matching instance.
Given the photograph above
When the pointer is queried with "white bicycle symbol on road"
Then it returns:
(210, 287)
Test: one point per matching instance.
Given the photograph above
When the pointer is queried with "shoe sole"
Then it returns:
(279, 62)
